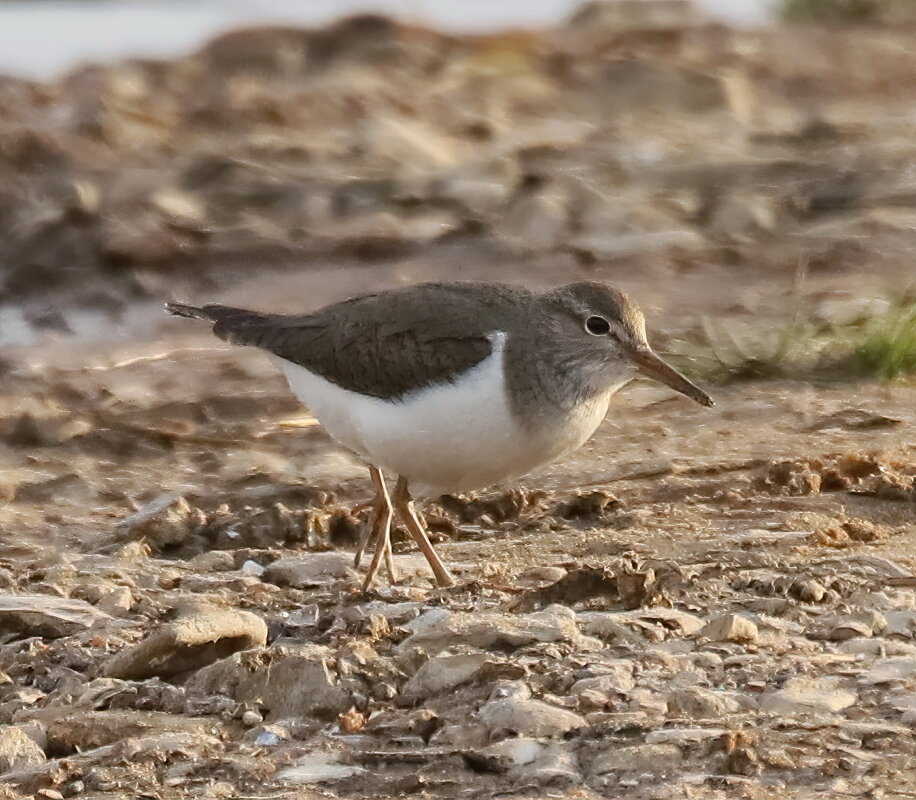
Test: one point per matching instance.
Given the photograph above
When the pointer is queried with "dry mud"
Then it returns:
(700, 603)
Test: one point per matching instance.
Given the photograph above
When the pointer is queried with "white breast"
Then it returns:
(447, 438)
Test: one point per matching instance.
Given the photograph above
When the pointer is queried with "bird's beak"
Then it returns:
(652, 366)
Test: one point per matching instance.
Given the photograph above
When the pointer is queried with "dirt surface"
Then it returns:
(699, 603)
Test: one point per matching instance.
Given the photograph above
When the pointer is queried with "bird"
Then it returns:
(453, 386)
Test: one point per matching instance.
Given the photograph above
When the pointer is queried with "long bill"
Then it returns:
(654, 367)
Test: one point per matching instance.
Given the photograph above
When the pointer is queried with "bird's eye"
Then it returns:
(597, 326)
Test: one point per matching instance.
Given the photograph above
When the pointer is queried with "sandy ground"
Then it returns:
(710, 601)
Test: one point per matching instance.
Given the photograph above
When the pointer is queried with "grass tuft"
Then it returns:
(881, 346)
(885, 347)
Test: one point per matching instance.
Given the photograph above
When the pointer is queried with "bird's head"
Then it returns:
(603, 330)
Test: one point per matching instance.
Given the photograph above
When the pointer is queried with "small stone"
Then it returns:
(213, 561)
(18, 750)
(808, 591)
(351, 721)
(841, 627)
(802, 696)
(116, 601)
(252, 568)
(536, 577)
(189, 643)
(618, 681)
(743, 761)
(165, 521)
(635, 627)
(444, 673)
(314, 569)
(318, 768)
(250, 719)
(730, 628)
(439, 628)
(269, 735)
(557, 766)
(889, 670)
(683, 736)
(516, 752)
(700, 703)
(657, 759)
(464, 736)
(528, 718)
(47, 616)
(283, 682)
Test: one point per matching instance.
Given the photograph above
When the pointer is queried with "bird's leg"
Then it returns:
(369, 528)
(381, 527)
(404, 506)
(389, 558)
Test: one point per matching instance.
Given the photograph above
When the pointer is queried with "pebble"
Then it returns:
(889, 670)
(18, 750)
(875, 647)
(116, 601)
(528, 718)
(606, 686)
(444, 673)
(250, 719)
(657, 759)
(682, 736)
(515, 752)
(283, 682)
(213, 561)
(270, 735)
(700, 703)
(808, 591)
(557, 766)
(439, 628)
(48, 616)
(539, 576)
(314, 569)
(730, 628)
(318, 768)
(188, 643)
(841, 627)
(250, 567)
(802, 696)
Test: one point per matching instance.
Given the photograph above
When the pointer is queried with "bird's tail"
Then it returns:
(235, 325)
(192, 312)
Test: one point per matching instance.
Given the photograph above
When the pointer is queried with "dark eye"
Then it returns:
(597, 326)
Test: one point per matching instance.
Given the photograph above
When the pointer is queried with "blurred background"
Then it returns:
(161, 149)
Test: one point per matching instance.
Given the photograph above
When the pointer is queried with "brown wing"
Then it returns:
(384, 345)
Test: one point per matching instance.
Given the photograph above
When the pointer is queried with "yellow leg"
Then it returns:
(404, 506)
(381, 527)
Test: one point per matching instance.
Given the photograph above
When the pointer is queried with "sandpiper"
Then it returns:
(454, 386)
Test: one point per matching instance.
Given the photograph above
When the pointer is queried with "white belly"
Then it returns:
(447, 438)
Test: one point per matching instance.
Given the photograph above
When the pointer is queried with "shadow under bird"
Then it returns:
(454, 386)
